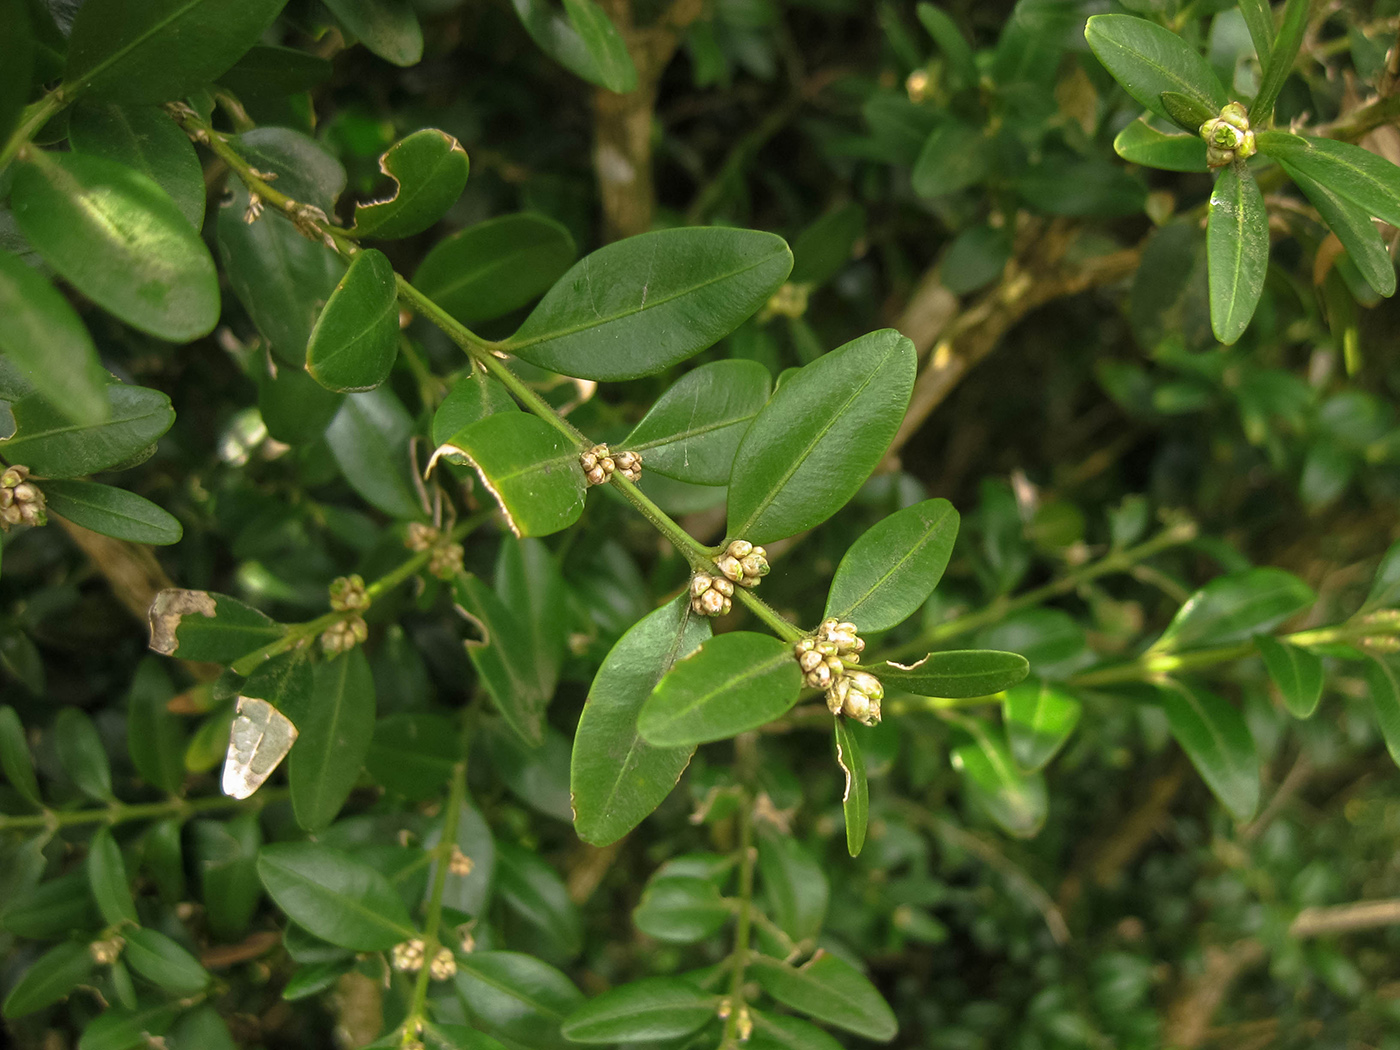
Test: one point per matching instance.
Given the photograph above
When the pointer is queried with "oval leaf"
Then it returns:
(794, 883)
(517, 997)
(1235, 607)
(1237, 250)
(54, 974)
(338, 899)
(583, 41)
(81, 752)
(681, 909)
(1148, 59)
(106, 871)
(146, 139)
(652, 1008)
(429, 169)
(356, 338)
(1016, 801)
(1039, 717)
(1367, 180)
(1141, 143)
(112, 512)
(1353, 227)
(504, 658)
(1296, 672)
(335, 731)
(15, 760)
(389, 28)
(1383, 683)
(829, 989)
(890, 571)
(164, 963)
(47, 442)
(957, 674)
(1216, 739)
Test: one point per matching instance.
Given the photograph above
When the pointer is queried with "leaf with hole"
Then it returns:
(855, 797)
(429, 169)
(203, 626)
(956, 674)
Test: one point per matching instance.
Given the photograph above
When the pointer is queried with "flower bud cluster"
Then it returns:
(459, 863)
(21, 502)
(825, 659)
(348, 594)
(105, 952)
(1228, 136)
(599, 464)
(443, 966)
(343, 636)
(444, 557)
(407, 956)
(743, 563)
(711, 595)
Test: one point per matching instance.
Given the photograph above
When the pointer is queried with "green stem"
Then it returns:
(769, 615)
(34, 117)
(739, 959)
(699, 556)
(121, 812)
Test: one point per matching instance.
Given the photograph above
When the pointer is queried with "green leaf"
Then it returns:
(389, 28)
(412, 754)
(474, 396)
(1367, 180)
(651, 1008)
(954, 157)
(855, 797)
(977, 256)
(126, 1028)
(582, 40)
(268, 69)
(356, 338)
(957, 674)
(155, 738)
(616, 777)
(819, 437)
(681, 909)
(528, 886)
(468, 893)
(1236, 607)
(1186, 112)
(494, 267)
(207, 627)
(200, 1029)
(146, 139)
(530, 468)
(1237, 249)
(829, 989)
(538, 776)
(531, 585)
(503, 658)
(51, 446)
(1297, 673)
(1216, 739)
(1385, 586)
(112, 512)
(1141, 143)
(889, 572)
(338, 899)
(225, 856)
(296, 408)
(1015, 800)
(1354, 228)
(120, 240)
(1039, 717)
(106, 873)
(17, 67)
(160, 49)
(1147, 60)
(1383, 683)
(693, 431)
(636, 307)
(54, 908)
(1259, 19)
(15, 759)
(306, 170)
(517, 997)
(457, 1037)
(164, 963)
(781, 1032)
(335, 731)
(1280, 59)
(956, 50)
(824, 248)
(794, 883)
(369, 438)
(429, 169)
(45, 339)
(732, 683)
(82, 754)
(52, 976)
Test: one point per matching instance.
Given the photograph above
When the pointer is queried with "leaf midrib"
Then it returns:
(849, 613)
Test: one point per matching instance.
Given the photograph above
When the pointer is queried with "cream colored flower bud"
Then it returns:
(33, 514)
(25, 492)
(835, 666)
(106, 952)
(804, 645)
(730, 567)
(588, 461)
(443, 966)
(13, 476)
(712, 603)
(723, 586)
(596, 476)
(459, 863)
(700, 583)
(856, 705)
(740, 549)
(420, 537)
(820, 677)
(348, 594)
(809, 661)
(836, 695)
(754, 564)
(407, 956)
(826, 648)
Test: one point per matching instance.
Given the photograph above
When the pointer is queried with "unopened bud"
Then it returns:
(420, 537)
(348, 594)
(106, 952)
(459, 863)
(443, 966)
(407, 956)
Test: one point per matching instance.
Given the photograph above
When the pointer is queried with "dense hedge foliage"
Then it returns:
(699, 523)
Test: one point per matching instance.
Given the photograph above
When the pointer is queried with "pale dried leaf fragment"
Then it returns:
(169, 608)
(259, 739)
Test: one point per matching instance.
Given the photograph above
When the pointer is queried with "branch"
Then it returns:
(1341, 918)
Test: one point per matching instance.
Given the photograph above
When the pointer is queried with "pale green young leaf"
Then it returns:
(1016, 800)
(1215, 737)
(1297, 672)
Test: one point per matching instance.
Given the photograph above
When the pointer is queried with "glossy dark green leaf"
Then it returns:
(531, 585)
(1362, 177)
(616, 777)
(369, 438)
(1014, 799)
(356, 338)
(306, 170)
(1236, 607)
(829, 989)
(112, 512)
(1385, 586)
(335, 731)
(496, 266)
(389, 28)
(295, 408)
(530, 887)
(651, 1008)
(1186, 112)
(52, 446)
(225, 857)
(529, 467)
(155, 738)
(1237, 249)
(824, 248)
(1215, 737)
(51, 977)
(1383, 683)
(794, 883)
(582, 40)
(16, 64)
(338, 899)
(412, 754)
(636, 307)
(1297, 673)
(42, 336)
(202, 626)
(681, 909)
(693, 431)
(1354, 228)
(129, 1027)
(889, 572)
(1278, 61)
(1039, 717)
(15, 760)
(106, 871)
(517, 997)
(781, 1032)
(957, 673)
(55, 908)
(82, 754)
(815, 442)
(468, 893)
(429, 169)
(266, 68)
(1141, 143)
(732, 683)
(955, 156)
(1147, 59)
(538, 776)
(950, 40)
(855, 796)
(163, 962)
(120, 240)
(503, 657)
(473, 397)
(161, 49)
(146, 139)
